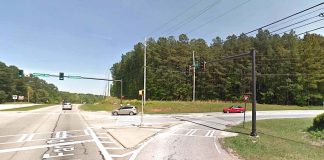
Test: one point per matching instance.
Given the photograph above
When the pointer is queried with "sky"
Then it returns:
(85, 38)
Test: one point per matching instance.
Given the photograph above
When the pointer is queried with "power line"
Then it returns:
(174, 18)
(285, 18)
(293, 19)
(303, 25)
(223, 14)
(310, 30)
(190, 19)
(294, 24)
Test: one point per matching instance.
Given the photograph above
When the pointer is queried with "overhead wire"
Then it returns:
(174, 18)
(190, 19)
(310, 31)
(294, 18)
(302, 25)
(219, 16)
(284, 18)
(294, 23)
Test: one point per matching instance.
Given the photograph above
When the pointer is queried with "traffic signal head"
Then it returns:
(203, 66)
(188, 70)
(20, 73)
(61, 76)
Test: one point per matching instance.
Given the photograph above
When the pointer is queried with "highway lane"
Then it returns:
(47, 133)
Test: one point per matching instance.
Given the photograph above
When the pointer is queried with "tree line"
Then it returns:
(39, 90)
(290, 69)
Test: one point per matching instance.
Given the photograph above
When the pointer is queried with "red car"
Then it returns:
(234, 109)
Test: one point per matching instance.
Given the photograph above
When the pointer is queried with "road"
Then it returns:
(50, 133)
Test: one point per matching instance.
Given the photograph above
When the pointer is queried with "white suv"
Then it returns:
(66, 105)
(130, 110)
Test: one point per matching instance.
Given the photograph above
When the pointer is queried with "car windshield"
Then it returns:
(161, 79)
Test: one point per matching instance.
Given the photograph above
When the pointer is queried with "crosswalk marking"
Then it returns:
(22, 137)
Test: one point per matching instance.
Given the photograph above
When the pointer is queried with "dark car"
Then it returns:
(234, 109)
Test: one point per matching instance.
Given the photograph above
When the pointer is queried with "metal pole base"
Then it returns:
(253, 134)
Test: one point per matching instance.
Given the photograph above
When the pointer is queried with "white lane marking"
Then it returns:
(41, 139)
(103, 137)
(193, 132)
(188, 133)
(30, 137)
(114, 148)
(104, 152)
(207, 134)
(216, 146)
(22, 138)
(104, 142)
(191, 135)
(212, 133)
(122, 155)
(59, 155)
(57, 135)
(64, 134)
(86, 132)
(139, 149)
(42, 146)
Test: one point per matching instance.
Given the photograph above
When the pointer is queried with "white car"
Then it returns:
(66, 105)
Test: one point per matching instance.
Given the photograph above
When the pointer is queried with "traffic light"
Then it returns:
(21, 73)
(61, 76)
(187, 70)
(203, 66)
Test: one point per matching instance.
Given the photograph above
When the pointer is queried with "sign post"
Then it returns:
(141, 93)
(14, 97)
(245, 97)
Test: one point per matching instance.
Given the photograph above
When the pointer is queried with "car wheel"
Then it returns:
(227, 112)
(115, 113)
(131, 113)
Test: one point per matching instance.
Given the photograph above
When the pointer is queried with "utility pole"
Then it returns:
(144, 96)
(194, 77)
(121, 91)
(253, 133)
(108, 87)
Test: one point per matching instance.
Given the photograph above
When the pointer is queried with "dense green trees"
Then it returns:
(290, 69)
(39, 90)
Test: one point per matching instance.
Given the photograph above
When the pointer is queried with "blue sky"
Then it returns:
(82, 37)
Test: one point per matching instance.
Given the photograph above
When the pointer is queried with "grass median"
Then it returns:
(28, 108)
(169, 107)
(282, 139)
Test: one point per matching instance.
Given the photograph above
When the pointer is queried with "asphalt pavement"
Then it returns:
(50, 133)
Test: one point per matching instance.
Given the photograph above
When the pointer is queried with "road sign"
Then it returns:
(74, 77)
(141, 92)
(14, 97)
(246, 97)
(40, 75)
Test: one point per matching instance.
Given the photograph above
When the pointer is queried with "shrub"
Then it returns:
(318, 122)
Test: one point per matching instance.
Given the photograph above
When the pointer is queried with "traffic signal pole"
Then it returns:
(193, 77)
(253, 87)
(253, 132)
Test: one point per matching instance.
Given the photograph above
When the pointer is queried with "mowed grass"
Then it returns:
(283, 139)
(166, 107)
(28, 108)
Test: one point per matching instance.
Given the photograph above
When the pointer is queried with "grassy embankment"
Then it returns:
(28, 108)
(163, 107)
(278, 139)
